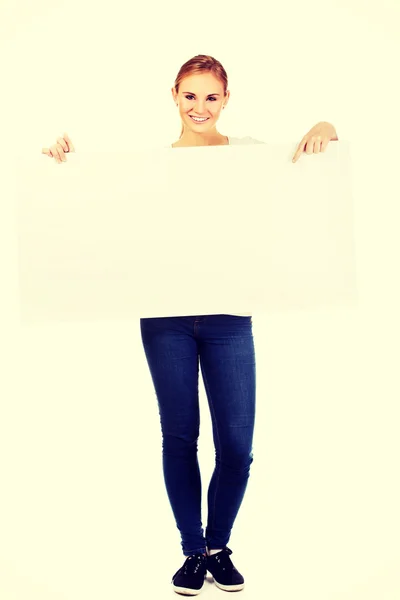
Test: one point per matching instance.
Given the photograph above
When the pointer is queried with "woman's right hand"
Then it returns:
(59, 149)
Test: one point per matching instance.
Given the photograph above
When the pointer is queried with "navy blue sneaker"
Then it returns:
(189, 579)
(225, 575)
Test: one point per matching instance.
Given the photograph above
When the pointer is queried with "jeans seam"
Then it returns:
(219, 448)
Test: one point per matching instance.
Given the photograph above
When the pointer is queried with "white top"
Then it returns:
(243, 141)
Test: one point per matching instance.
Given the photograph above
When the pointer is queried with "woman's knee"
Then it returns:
(234, 460)
(180, 445)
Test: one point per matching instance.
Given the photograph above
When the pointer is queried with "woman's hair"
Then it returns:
(202, 63)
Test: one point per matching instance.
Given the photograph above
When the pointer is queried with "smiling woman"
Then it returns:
(201, 93)
(224, 346)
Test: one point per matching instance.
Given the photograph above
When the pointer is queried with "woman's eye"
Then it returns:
(189, 97)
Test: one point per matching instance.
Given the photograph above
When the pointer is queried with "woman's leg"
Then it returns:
(172, 356)
(227, 359)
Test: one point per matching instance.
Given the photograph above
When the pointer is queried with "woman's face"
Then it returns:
(200, 96)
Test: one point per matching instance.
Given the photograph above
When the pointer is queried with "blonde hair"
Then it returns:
(202, 63)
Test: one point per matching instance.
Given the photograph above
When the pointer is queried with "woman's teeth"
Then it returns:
(198, 120)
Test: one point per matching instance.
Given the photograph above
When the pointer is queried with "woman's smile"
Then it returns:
(198, 120)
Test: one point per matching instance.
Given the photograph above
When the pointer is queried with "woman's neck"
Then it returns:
(187, 142)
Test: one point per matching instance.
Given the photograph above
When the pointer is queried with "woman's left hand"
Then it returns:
(316, 140)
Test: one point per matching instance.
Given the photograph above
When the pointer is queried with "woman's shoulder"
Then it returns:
(244, 140)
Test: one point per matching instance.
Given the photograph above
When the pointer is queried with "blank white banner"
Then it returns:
(185, 231)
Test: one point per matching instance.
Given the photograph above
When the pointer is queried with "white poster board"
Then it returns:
(184, 231)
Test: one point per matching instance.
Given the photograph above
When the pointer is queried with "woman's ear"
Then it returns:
(174, 95)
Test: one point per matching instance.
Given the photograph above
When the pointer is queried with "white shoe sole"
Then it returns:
(186, 591)
(229, 588)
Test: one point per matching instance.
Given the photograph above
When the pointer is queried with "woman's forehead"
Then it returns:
(201, 81)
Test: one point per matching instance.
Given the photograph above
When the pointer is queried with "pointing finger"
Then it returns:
(298, 151)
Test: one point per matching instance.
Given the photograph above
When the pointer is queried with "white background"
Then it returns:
(84, 512)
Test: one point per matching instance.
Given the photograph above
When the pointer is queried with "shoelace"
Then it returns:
(192, 564)
(223, 559)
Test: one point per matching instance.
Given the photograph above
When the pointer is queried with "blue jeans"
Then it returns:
(224, 346)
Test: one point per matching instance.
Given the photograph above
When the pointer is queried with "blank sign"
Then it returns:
(185, 231)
